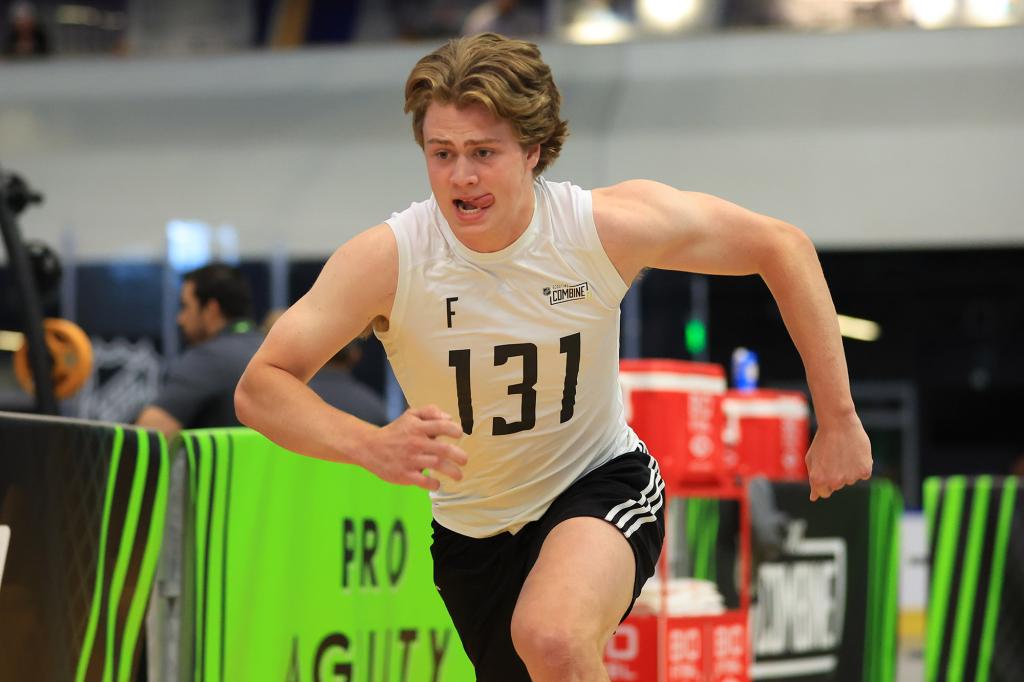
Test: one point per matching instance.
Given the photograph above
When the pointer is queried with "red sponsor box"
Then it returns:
(730, 648)
(685, 647)
(697, 649)
(632, 653)
(720, 645)
(676, 409)
(766, 433)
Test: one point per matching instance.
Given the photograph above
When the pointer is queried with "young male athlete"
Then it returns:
(497, 300)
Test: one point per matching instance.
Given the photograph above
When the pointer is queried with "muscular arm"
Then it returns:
(647, 224)
(355, 289)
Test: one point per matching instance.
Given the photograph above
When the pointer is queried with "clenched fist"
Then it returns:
(401, 451)
(840, 455)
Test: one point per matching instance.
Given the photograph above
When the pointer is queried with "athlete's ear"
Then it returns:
(212, 313)
(532, 156)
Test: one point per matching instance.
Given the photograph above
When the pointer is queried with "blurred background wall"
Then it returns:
(275, 129)
(865, 140)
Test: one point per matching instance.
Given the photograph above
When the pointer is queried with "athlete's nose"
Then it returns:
(464, 172)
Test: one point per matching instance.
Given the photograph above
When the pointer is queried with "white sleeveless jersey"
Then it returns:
(521, 345)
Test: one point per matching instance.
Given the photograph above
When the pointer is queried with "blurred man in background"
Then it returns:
(216, 305)
(26, 37)
(510, 17)
(336, 384)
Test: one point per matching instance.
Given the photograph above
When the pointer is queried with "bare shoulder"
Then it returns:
(630, 217)
(355, 289)
(628, 189)
(364, 267)
(627, 203)
(649, 224)
(377, 244)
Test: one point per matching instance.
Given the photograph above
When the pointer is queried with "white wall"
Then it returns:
(900, 138)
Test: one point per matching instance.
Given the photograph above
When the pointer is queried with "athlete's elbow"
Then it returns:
(784, 245)
(245, 404)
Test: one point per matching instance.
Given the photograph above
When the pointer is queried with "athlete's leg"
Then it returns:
(479, 580)
(572, 601)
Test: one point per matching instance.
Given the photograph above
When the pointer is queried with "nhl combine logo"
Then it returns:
(567, 292)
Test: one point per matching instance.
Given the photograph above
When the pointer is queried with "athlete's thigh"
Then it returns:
(582, 580)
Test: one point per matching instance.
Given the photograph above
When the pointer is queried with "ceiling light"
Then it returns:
(596, 24)
(931, 13)
(80, 15)
(990, 12)
(669, 15)
(11, 341)
(859, 329)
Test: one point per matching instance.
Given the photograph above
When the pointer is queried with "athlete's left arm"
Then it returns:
(647, 224)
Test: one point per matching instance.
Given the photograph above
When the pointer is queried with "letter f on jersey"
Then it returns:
(451, 313)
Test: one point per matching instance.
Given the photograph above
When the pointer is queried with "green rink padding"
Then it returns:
(303, 570)
(975, 624)
(85, 503)
(702, 519)
(880, 631)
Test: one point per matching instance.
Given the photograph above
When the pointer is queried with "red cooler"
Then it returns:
(676, 409)
(697, 649)
(632, 653)
(766, 433)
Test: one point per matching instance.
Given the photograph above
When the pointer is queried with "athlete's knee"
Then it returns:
(557, 648)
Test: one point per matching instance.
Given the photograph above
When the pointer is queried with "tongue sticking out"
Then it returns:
(486, 201)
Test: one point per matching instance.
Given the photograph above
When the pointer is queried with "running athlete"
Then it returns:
(497, 300)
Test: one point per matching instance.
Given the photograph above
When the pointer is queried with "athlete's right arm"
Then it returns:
(355, 289)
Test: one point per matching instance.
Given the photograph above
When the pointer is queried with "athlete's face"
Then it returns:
(481, 176)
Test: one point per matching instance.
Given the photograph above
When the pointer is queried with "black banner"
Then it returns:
(82, 506)
(825, 577)
(826, 603)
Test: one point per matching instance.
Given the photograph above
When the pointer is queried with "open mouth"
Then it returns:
(475, 205)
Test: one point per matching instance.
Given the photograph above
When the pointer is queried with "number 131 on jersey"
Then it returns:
(568, 346)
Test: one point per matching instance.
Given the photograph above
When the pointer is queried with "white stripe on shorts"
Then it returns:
(649, 507)
(652, 465)
(645, 505)
(646, 519)
(642, 505)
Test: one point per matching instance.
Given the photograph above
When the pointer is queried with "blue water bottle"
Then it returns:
(745, 370)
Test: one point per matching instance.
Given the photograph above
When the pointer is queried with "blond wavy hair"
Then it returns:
(506, 76)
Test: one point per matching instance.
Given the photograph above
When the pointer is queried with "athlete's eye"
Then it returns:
(441, 154)
(484, 153)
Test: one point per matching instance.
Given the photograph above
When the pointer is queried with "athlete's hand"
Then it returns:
(839, 456)
(402, 450)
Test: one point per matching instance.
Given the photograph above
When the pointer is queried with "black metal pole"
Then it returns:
(31, 308)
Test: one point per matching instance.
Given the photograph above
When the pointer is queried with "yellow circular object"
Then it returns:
(70, 353)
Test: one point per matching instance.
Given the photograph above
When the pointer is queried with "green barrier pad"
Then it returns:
(975, 624)
(299, 569)
(83, 504)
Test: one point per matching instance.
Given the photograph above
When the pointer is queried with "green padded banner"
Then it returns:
(299, 569)
(85, 504)
(975, 622)
(880, 635)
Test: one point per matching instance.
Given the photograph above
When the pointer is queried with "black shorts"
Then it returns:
(480, 578)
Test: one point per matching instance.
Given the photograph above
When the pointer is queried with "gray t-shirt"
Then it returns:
(199, 390)
(340, 389)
